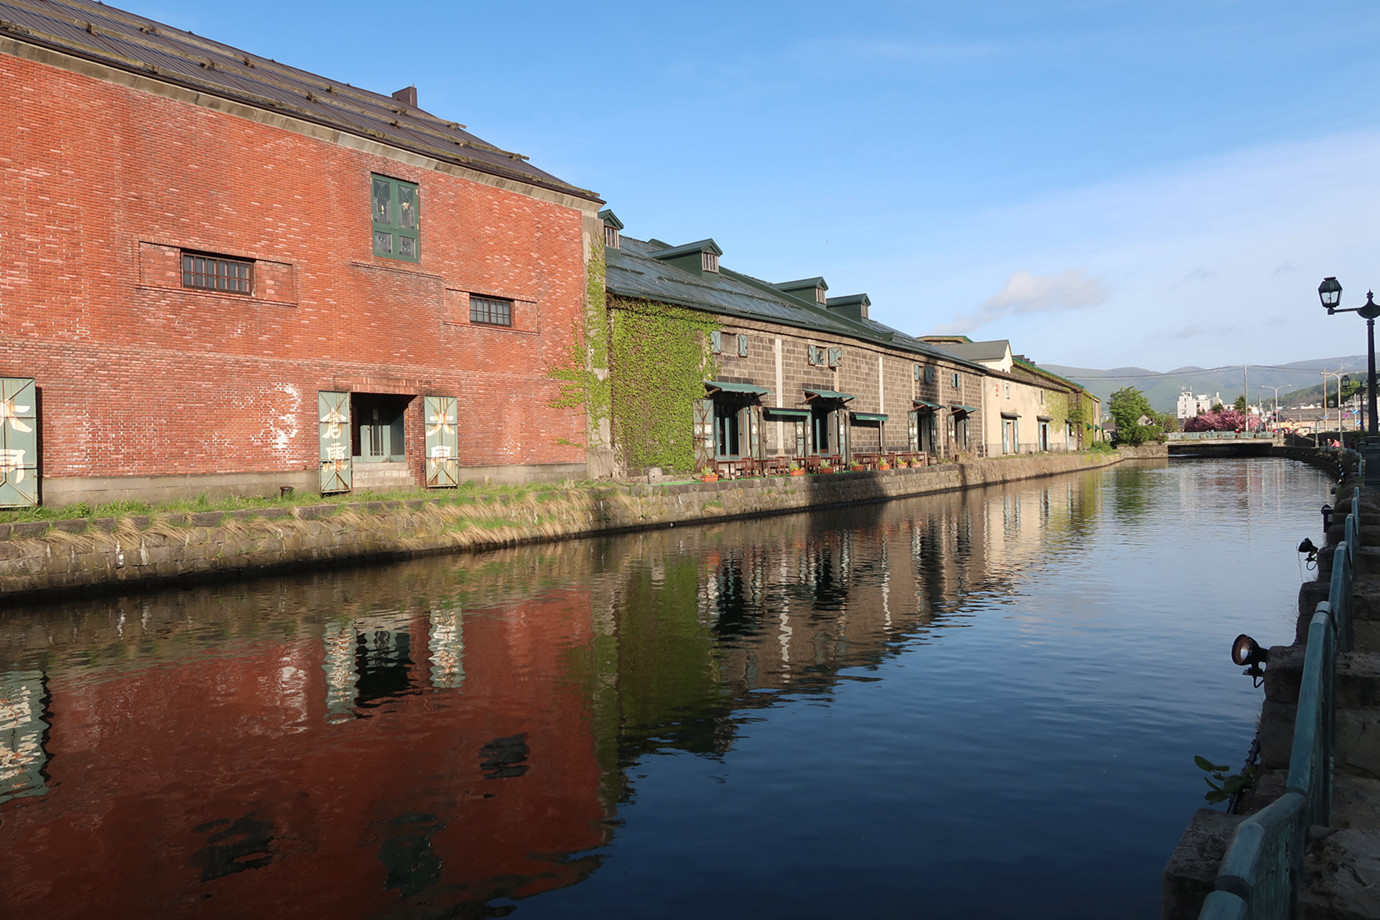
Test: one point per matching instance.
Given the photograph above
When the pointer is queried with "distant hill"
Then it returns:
(1299, 382)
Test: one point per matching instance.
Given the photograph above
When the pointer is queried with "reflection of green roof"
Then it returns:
(729, 386)
(812, 393)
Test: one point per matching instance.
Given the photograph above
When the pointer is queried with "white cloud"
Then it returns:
(1025, 292)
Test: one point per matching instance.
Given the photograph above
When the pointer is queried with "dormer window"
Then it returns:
(612, 229)
(709, 261)
(821, 295)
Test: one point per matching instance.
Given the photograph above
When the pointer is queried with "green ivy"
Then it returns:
(584, 374)
(659, 358)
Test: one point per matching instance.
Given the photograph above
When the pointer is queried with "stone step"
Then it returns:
(1341, 875)
(1358, 743)
(1356, 803)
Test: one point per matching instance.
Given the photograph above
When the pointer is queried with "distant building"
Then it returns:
(1190, 405)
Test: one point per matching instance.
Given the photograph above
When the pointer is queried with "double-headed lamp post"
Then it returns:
(1330, 293)
(1283, 386)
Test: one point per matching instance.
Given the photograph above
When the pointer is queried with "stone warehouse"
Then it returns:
(222, 274)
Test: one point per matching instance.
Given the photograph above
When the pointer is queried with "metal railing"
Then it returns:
(1259, 875)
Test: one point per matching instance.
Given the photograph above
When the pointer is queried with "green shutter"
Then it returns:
(442, 442)
(742, 345)
(18, 442)
(704, 433)
(333, 410)
(835, 357)
(716, 342)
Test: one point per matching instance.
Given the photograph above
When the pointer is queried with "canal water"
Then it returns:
(977, 705)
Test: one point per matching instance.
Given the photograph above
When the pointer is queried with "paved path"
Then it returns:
(1342, 865)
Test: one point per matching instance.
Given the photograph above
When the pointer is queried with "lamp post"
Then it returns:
(1330, 293)
(1328, 375)
(1266, 386)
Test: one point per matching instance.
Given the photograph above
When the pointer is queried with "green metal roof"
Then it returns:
(729, 386)
(955, 407)
(638, 270)
(869, 417)
(926, 404)
(812, 393)
(789, 413)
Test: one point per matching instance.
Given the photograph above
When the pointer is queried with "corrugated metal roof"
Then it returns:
(143, 46)
(633, 272)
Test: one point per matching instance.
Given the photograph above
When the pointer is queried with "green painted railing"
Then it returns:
(1259, 875)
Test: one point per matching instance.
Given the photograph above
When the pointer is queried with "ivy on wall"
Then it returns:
(584, 375)
(659, 359)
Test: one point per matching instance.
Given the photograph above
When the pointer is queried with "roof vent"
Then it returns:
(407, 95)
(853, 306)
(808, 289)
(699, 257)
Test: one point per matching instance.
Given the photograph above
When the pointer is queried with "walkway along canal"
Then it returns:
(951, 705)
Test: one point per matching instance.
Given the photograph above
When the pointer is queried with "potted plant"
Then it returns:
(857, 467)
(883, 465)
(825, 467)
(795, 470)
(708, 475)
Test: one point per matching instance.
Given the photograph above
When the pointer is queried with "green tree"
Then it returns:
(1129, 407)
(1241, 405)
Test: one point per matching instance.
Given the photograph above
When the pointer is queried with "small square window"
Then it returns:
(217, 273)
(396, 219)
(490, 311)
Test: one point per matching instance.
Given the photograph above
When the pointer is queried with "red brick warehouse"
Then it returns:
(220, 274)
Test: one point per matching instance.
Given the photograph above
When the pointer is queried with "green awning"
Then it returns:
(729, 386)
(812, 393)
(955, 407)
(925, 404)
(868, 417)
(770, 411)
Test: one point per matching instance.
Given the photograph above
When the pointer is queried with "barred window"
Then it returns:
(217, 273)
(490, 311)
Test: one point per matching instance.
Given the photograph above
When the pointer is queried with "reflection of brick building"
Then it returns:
(225, 274)
(232, 787)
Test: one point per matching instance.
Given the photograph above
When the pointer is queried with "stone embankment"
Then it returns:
(1341, 878)
(47, 557)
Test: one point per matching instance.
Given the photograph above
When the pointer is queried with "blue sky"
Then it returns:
(1104, 183)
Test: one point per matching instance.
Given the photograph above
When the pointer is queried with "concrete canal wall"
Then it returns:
(82, 554)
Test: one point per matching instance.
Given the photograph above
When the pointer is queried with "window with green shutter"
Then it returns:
(333, 413)
(716, 342)
(396, 208)
(18, 442)
(442, 442)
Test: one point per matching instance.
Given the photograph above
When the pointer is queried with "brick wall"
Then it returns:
(103, 185)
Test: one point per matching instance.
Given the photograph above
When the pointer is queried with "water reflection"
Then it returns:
(450, 737)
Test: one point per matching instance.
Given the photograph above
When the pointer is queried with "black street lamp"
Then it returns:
(1330, 293)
